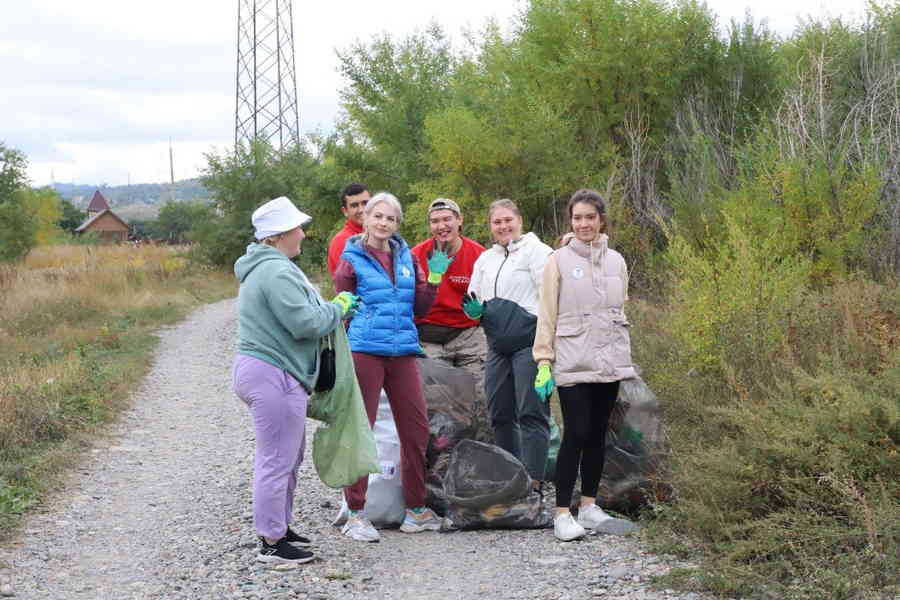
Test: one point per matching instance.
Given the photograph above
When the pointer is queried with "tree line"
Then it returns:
(643, 100)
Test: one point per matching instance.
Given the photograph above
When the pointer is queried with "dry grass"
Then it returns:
(76, 328)
(66, 295)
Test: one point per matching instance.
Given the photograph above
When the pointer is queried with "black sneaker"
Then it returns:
(282, 552)
(293, 537)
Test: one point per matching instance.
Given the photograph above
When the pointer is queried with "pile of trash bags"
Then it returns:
(479, 485)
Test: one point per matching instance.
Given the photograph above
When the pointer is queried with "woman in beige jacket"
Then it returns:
(583, 347)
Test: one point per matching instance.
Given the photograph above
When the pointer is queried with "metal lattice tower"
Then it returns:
(266, 100)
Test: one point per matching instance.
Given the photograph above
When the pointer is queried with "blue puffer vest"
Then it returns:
(384, 324)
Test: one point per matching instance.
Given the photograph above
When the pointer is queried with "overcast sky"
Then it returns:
(93, 90)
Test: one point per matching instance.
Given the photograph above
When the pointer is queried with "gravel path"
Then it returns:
(162, 510)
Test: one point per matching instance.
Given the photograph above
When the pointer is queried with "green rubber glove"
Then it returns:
(437, 266)
(472, 306)
(543, 382)
(348, 304)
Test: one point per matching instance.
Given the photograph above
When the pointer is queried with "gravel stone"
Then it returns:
(161, 508)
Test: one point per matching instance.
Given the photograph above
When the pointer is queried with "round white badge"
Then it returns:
(405, 271)
(577, 273)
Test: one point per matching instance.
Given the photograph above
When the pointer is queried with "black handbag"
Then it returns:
(327, 368)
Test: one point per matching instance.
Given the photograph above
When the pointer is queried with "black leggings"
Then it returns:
(586, 408)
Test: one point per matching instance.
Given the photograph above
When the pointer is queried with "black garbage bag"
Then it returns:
(455, 412)
(635, 447)
(487, 487)
(456, 409)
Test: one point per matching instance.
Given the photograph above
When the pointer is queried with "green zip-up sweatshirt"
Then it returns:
(281, 316)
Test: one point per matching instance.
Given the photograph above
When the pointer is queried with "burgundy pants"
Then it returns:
(399, 377)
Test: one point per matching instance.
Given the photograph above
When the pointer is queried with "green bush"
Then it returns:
(18, 229)
(782, 382)
(786, 454)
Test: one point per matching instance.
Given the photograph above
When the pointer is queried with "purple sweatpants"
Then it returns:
(277, 403)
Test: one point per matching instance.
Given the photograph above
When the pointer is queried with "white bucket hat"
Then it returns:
(277, 216)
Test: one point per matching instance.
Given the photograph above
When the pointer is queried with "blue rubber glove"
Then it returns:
(472, 306)
(347, 302)
(437, 266)
(543, 382)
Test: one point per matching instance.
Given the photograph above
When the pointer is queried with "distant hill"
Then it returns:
(151, 195)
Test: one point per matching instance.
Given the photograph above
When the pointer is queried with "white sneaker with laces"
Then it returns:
(566, 529)
(360, 529)
(591, 515)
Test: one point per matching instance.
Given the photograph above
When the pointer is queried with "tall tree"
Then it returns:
(393, 87)
(243, 179)
(43, 204)
(178, 219)
(18, 226)
(13, 176)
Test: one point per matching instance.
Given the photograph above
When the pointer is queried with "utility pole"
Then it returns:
(266, 89)
(171, 172)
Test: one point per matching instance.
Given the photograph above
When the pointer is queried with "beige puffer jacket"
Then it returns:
(582, 328)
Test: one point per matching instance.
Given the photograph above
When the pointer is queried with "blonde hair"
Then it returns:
(503, 203)
(387, 198)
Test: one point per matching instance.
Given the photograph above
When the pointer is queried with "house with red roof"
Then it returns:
(101, 220)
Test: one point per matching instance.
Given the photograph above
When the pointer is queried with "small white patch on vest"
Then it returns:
(405, 271)
(577, 273)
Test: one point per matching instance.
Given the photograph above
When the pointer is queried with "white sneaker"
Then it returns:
(566, 529)
(360, 529)
(591, 515)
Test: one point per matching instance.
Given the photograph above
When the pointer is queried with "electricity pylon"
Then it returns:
(266, 99)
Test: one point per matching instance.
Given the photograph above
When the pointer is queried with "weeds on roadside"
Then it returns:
(786, 462)
(76, 328)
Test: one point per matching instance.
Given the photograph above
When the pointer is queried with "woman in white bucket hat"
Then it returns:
(281, 317)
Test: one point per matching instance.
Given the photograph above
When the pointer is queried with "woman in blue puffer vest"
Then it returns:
(379, 267)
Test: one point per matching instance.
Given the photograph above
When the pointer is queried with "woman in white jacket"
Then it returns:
(504, 293)
(582, 345)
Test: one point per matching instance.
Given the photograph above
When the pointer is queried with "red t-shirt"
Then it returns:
(336, 246)
(447, 309)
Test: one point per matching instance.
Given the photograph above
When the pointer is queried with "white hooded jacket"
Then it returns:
(513, 272)
(508, 280)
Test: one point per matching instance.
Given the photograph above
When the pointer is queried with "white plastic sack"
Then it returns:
(385, 506)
